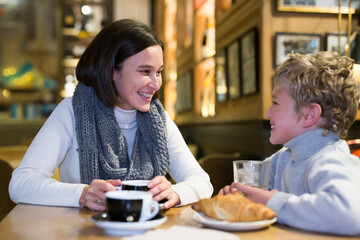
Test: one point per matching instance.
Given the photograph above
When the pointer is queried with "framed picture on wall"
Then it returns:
(317, 6)
(188, 90)
(220, 76)
(286, 42)
(179, 105)
(233, 69)
(332, 42)
(249, 63)
(184, 91)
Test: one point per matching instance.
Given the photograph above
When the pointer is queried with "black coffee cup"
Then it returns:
(131, 206)
(137, 185)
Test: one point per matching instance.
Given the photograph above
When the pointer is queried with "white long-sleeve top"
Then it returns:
(56, 145)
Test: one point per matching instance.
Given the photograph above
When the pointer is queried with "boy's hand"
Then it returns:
(256, 194)
(227, 190)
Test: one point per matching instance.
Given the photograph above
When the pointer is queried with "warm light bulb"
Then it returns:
(6, 93)
(86, 10)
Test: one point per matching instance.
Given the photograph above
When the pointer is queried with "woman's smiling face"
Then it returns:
(139, 79)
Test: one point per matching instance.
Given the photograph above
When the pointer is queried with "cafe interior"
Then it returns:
(219, 60)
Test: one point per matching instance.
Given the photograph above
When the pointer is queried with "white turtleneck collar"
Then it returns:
(125, 118)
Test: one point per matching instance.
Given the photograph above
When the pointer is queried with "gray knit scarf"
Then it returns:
(103, 151)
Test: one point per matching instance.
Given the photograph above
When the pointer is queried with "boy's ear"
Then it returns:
(311, 115)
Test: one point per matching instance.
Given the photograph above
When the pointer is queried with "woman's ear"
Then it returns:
(116, 75)
(311, 115)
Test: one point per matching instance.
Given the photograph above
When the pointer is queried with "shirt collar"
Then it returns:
(308, 143)
(125, 118)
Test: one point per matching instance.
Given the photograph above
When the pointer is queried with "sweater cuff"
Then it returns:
(75, 200)
(184, 195)
(277, 201)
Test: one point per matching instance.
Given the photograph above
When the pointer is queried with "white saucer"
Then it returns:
(126, 228)
(231, 226)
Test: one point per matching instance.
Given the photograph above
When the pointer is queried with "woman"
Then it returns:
(112, 129)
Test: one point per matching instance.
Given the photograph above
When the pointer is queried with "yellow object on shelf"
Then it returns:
(24, 78)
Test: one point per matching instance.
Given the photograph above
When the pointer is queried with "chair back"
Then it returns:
(354, 145)
(220, 169)
(6, 205)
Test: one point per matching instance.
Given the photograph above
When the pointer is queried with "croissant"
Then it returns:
(233, 208)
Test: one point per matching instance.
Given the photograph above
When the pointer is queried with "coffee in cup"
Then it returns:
(131, 206)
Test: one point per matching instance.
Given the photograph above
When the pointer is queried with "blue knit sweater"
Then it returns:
(319, 182)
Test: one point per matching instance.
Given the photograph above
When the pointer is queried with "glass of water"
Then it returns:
(252, 173)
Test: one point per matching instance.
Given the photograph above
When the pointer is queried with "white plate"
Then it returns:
(232, 226)
(126, 228)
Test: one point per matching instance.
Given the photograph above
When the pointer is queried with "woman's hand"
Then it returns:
(255, 194)
(161, 189)
(93, 195)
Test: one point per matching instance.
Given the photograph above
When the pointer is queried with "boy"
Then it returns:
(314, 180)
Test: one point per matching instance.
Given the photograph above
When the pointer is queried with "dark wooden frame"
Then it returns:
(249, 62)
(221, 80)
(184, 89)
(233, 69)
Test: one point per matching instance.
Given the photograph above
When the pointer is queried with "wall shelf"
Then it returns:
(76, 30)
(70, 63)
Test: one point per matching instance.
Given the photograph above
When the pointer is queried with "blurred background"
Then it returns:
(219, 60)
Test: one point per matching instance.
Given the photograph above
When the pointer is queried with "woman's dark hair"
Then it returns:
(107, 52)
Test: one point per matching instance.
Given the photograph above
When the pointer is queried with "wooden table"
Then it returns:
(43, 222)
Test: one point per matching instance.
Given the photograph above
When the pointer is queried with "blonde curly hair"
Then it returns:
(325, 78)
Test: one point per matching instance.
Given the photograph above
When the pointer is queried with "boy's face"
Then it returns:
(285, 122)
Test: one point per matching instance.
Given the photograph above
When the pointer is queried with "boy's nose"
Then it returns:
(267, 114)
